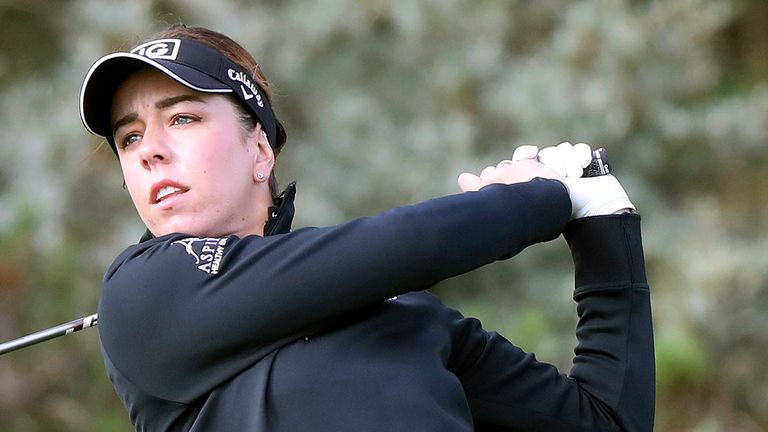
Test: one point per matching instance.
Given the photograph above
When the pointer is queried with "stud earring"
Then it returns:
(259, 176)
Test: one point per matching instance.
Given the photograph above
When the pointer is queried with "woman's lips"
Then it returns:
(164, 190)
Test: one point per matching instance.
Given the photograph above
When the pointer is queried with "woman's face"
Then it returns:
(188, 164)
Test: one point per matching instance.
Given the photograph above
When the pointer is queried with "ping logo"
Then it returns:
(164, 49)
(207, 252)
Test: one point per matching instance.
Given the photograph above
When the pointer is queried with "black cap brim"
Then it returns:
(191, 63)
(106, 75)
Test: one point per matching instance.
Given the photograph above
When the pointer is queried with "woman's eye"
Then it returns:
(183, 119)
(130, 139)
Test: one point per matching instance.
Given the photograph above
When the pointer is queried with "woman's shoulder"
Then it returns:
(147, 245)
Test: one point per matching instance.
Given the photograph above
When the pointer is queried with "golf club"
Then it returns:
(598, 167)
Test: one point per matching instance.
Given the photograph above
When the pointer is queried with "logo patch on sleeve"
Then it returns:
(207, 252)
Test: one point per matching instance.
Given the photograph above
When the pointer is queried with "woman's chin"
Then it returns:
(180, 226)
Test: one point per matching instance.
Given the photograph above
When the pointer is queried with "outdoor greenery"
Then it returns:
(386, 102)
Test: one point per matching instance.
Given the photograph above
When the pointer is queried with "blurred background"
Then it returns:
(386, 102)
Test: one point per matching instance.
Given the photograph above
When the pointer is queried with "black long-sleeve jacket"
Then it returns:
(329, 329)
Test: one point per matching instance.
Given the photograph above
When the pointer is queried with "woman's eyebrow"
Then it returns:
(124, 120)
(161, 104)
(173, 100)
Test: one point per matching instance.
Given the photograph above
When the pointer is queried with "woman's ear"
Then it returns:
(264, 157)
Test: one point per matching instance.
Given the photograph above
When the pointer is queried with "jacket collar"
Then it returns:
(279, 219)
(281, 214)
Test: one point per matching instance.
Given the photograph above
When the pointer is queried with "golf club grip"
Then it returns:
(599, 165)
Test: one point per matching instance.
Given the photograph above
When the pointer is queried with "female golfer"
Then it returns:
(223, 319)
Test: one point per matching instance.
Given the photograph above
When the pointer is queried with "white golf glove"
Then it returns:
(590, 196)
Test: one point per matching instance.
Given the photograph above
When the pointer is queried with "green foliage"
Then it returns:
(386, 102)
(682, 362)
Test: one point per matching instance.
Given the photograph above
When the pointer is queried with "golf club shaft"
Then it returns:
(53, 332)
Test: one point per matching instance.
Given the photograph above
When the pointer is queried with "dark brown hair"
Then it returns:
(239, 55)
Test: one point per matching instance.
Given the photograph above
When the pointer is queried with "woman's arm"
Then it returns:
(612, 383)
(164, 320)
(611, 386)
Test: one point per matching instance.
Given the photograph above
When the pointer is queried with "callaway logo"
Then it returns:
(166, 49)
(207, 252)
(243, 78)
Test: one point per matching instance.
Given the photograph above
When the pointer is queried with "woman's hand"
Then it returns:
(591, 196)
(522, 168)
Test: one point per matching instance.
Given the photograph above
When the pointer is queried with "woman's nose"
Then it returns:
(154, 148)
